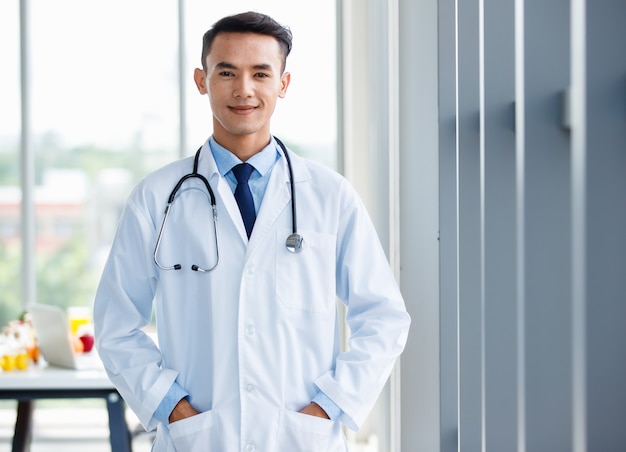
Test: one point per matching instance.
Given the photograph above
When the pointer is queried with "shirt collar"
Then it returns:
(262, 161)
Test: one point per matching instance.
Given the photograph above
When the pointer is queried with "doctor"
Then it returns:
(248, 355)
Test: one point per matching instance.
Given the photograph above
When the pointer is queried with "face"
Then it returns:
(243, 82)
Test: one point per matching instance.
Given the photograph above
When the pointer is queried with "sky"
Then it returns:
(106, 73)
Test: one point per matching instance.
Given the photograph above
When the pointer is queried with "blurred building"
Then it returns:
(67, 204)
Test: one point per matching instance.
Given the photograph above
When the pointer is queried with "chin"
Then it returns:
(242, 130)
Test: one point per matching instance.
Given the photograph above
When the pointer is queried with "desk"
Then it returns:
(56, 383)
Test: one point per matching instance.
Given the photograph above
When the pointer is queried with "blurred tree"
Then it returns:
(9, 168)
(65, 278)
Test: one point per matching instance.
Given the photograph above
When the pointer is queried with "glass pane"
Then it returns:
(10, 194)
(306, 118)
(105, 113)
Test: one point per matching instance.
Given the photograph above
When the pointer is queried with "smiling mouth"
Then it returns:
(243, 110)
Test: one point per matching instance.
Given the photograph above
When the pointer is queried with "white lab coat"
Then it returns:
(254, 340)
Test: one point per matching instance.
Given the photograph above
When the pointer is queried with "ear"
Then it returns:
(284, 84)
(200, 78)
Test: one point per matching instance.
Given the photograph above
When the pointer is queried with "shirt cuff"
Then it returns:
(330, 407)
(173, 396)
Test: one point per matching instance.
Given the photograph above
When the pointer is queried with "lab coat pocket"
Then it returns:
(305, 281)
(196, 433)
(306, 433)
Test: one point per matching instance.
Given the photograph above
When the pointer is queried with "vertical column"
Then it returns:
(469, 295)
(599, 217)
(182, 77)
(448, 232)
(498, 223)
(27, 176)
(419, 221)
(545, 234)
(377, 174)
(381, 100)
(579, 198)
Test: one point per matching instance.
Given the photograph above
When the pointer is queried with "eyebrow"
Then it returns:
(226, 65)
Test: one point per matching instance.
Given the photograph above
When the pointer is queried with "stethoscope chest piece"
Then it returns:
(295, 243)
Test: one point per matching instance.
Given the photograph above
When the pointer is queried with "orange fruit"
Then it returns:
(33, 353)
(77, 345)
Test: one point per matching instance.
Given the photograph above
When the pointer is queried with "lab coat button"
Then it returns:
(250, 331)
(250, 448)
(249, 387)
(250, 270)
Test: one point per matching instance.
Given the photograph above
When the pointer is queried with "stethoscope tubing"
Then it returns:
(294, 242)
(292, 183)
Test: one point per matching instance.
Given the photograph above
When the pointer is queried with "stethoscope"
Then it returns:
(294, 242)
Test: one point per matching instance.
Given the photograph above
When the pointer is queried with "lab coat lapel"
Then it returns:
(228, 198)
(277, 196)
(208, 166)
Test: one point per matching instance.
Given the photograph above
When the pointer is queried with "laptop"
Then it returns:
(53, 336)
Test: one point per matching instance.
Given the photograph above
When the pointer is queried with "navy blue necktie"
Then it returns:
(244, 196)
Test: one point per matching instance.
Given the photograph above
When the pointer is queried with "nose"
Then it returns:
(244, 87)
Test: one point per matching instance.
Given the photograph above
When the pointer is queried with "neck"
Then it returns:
(243, 146)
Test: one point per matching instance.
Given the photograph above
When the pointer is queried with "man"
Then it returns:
(248, 355)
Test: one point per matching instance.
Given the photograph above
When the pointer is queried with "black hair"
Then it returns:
(248, 22)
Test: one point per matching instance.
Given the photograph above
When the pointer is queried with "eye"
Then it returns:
(261, 75)
(225, 74)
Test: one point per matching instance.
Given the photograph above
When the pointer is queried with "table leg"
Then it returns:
(119, 434)
(23, 426)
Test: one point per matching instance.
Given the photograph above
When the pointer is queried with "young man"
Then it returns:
(248, 355)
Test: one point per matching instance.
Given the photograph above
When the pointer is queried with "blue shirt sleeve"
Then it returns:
(332, 410)
(173, 396)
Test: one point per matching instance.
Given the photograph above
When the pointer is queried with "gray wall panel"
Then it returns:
(606, 225)
(532, 225)
(468, 217)
(448, 226)
(547, 230)
(498, 222)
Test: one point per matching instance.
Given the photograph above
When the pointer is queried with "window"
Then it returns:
(104, 111)
(10, 195)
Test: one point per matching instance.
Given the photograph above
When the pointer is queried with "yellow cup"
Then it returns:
(78, 315)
